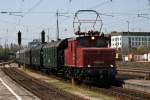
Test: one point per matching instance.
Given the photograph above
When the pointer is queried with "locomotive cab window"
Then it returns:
(88, 42)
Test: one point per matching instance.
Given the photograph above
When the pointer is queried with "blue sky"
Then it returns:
(37, 15)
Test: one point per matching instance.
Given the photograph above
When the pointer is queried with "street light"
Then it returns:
(129, 37)
(128, 25)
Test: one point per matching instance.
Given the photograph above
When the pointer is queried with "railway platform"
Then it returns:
(141, 85)
(9, 90)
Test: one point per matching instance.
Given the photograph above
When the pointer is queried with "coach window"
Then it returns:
(44, 52)
(53, 52)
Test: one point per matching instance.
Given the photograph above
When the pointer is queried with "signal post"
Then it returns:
(19, 43)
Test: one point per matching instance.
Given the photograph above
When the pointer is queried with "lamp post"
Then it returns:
(129, 37)
(128, 26)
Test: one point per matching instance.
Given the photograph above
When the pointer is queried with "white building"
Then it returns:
(127, 41)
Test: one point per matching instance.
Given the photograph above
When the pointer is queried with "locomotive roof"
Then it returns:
(75, 38)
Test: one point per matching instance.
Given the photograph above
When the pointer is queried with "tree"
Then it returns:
(143, 49)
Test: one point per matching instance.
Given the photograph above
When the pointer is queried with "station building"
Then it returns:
(127, 41)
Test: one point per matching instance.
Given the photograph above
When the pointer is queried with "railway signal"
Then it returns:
(43, 36)
(19, 38)
(19, 43)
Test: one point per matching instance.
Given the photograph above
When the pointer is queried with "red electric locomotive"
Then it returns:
(89, 56)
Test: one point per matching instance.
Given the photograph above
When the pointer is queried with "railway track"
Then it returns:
(41, 89)
(134, 72)
(138, 69)
(120, 93)
(2, 63)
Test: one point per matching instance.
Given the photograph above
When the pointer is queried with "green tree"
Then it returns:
(143, 49)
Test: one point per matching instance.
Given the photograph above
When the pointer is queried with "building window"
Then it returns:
(139, 43)
(129, 39)
(136, 38)
(135, 43)
(139, 39)
(132, 43)
(132, 38)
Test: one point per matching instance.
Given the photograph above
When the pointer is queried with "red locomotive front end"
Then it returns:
(89, 56)
(94, 52)
(95, 57)
(89, 51)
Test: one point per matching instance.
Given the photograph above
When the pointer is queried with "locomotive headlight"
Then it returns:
(111, 66)
(89, 65)
(92, 37)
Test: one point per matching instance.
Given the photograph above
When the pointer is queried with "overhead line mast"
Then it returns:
(57, 22)
(57, 37)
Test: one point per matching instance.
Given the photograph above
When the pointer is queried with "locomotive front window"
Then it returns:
(83, 43)
(101, 43)
(87, 42)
